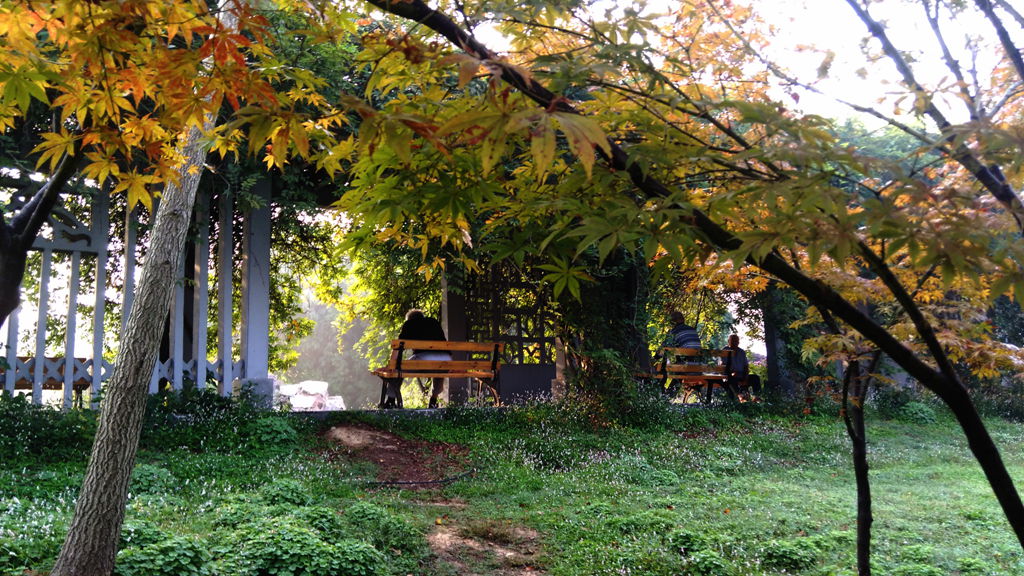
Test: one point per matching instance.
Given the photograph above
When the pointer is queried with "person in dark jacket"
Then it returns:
(737, 369)
(418, 326)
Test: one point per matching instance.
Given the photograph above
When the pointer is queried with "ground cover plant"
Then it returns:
(549, 488)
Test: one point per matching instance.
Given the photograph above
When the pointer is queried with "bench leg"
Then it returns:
(390, 393)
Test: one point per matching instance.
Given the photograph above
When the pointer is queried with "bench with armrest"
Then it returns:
(478, 360)
(691, 368)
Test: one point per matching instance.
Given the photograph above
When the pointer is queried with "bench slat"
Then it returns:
(482, 347)
(460, 365)
(387, 373)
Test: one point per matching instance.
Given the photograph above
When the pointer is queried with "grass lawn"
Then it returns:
(753, 490)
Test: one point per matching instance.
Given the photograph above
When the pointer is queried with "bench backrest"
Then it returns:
(492, 351)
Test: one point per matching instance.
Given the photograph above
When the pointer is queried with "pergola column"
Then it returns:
(256, 294)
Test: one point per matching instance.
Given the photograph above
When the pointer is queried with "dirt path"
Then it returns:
(462, 547)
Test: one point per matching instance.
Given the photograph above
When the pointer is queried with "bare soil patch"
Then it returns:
(467, 548)
(413, 464)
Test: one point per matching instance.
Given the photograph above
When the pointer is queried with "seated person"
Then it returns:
(682, 335)
(418, 326)
(737, 368)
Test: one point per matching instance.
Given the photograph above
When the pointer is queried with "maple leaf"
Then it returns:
(55, 145)
(136, 186)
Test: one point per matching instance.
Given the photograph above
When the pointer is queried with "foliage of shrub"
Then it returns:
(707, 563)
(232, 514)
(917, 413)
(1005, 400)
(10, 559)
(31, 534)
(203, 420)
(283, 547)
(175, 556)
(794, 555)
(920, 553)
(270, 431)
(150, 479)
(285, 491)
(328, 522)
(889, 400)
(974, 567)
(917, 570)
(619, 399)
(358, 558)
(140, 533)
(686, 542)
(43, 433)
(385, 530)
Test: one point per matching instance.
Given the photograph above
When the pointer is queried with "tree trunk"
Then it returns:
(91, 544)
(12, 271)
(855, 381)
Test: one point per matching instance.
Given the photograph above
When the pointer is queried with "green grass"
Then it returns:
(760, 491)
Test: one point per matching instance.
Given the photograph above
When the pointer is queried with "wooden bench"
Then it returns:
(690, 368)
(477, 360)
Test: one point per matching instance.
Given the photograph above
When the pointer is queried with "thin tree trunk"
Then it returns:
(853, 415)
(91, 544)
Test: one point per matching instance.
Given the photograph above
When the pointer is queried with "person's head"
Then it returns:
(734, 341)
(676, 317)
(414, 313)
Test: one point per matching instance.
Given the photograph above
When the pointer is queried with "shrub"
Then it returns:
(918, 413)
(890, 399)
(42, 433)
(270, 431)
(686, 542)
(11, 561)
(233, 514)
(176, 556)
(285, 491)
(707, 563)
(328, 522)
(283, 547)
(917, 570)
(150, 479)
(974, 567)
(357, 558)
(140, 533)
(794, 555)
(385, 530)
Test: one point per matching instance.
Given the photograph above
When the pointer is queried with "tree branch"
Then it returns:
(25, 225)
(951, 63)
(1012, 52)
